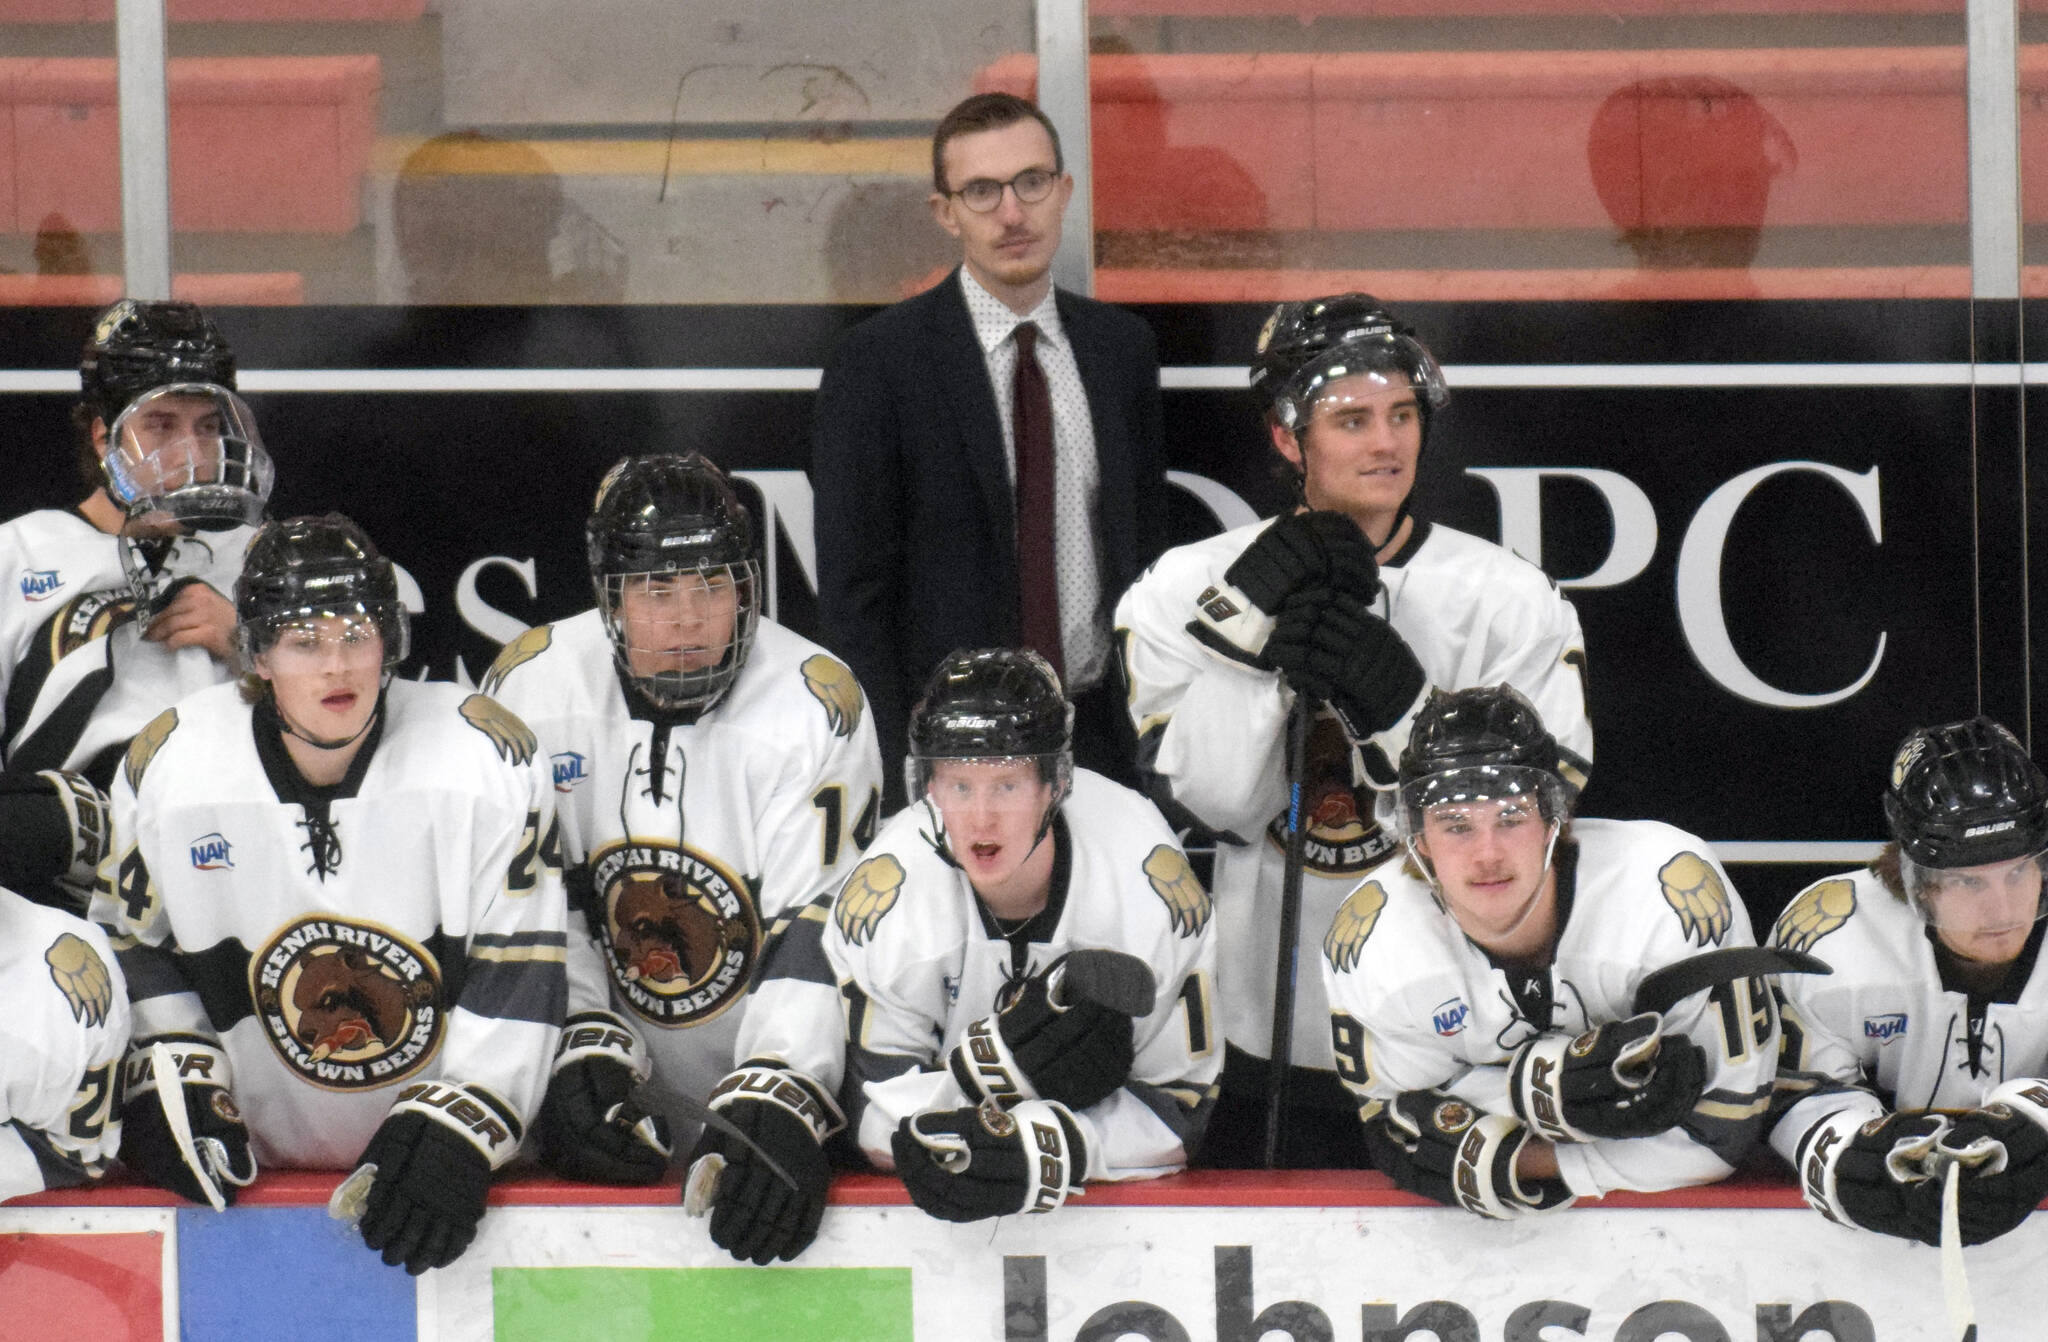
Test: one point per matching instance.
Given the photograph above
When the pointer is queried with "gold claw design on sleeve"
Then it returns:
(867, 897)
(1173, 880)
(1695, 892)
(1818, 911)
(518, 652)
(1353, 924)
(80, 974)
(514, 740)
(834, 686)
(145, 745)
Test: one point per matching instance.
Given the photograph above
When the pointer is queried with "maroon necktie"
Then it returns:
(1031, 419)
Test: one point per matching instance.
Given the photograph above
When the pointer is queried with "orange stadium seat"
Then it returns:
(282, 288)
(1508, 139)
(259, 144)
(220, 11)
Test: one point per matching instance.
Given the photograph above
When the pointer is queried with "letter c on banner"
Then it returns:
(1519, 492)
(1700, 614)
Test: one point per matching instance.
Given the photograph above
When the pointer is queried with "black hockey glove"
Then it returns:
(209, 1159)
(1302, 550)
(57, 825)
(2003, 1147)
(428, 1169)
(971, 1164)
(1437, 1146)
(1332, 647)
(1064, 1034)
(589, 1128)
(1882, 1175)
(1622, 1079)
(756, 1216)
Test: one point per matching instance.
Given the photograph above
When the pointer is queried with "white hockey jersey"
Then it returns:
(103, 681)
(1883, 1022)
(693, 836)
(405, 924)
(1213, 733)
(63, 1029)
(48, 559)
(917, 960)
(1415, 1004)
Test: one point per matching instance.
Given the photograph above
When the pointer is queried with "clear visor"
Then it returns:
(681, 635)
(188, 455)
(1463, 797)
(1990, 900)
(311, 642)
(1362, 366)
(962, 789)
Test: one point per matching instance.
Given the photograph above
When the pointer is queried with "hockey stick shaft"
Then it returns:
(1667, 987)
(170, 1093)
(1281, 1054)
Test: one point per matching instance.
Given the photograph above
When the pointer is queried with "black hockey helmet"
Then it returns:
(1480, 745)
(306, 568)
(1305, 346)
(1965, 794)
(993, 703)
(677, 515)
(138, 344)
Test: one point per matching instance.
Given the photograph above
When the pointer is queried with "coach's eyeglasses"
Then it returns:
(985, 193)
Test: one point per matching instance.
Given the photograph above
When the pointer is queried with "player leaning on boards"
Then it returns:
(152, 379)
(1936, 1002)
(1356, 602)
(63, 1030)
(338, 904)
(714, 770)
(1483, 990)
(1025, 960)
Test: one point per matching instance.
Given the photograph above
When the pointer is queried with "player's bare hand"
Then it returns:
(196, 616)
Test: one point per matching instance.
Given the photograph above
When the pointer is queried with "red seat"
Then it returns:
(270, 289)
(259, 144)
(1508, 139)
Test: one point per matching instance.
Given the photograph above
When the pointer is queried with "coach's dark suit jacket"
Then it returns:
(916, 518)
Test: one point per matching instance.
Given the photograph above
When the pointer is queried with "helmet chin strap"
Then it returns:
(293, 729)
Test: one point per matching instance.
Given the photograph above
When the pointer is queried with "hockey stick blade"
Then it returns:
(170, 1093)
(1667, 987)
(724, 1126)
(1114, 979)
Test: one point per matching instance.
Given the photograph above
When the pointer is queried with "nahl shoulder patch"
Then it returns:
(1352, 925)
(517, 653)
(867, 897)
(145, 745)
(1694, 891)
(80, 974)
(1815, 913)
(514, 740)
(834, 686)
(1173, 880)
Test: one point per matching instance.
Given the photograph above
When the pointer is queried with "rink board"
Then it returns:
(1216, 1258)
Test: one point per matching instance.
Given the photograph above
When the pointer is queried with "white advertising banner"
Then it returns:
(1189, 1274)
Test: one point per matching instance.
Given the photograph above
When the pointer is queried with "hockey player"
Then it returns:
(63, 1030)
(338, 902)
(714, 770)
(162, 371)
(1358, 604)
(188, 467)
(51, 558)
(1026, 962)
(1928, 1044)
(1482, 999)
